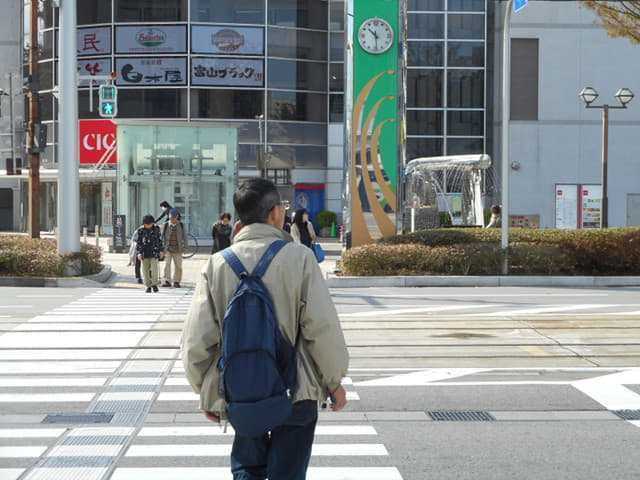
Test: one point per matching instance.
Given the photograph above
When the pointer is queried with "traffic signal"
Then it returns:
(108, 101)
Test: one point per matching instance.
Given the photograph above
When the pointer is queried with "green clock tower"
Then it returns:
(374, 120)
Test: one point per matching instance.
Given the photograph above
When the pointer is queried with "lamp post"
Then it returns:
(261, 150)
(588, 95)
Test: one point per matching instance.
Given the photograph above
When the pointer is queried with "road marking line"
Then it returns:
(420, 378)
(220, 450)
(31, 433)
(224, 473)
(22, 452)
(58, 473)
(12, 473)
(45, 398)
(93, 450)
(533, 311)
(53, 382)
(195, 431)
(532, 349)
(439, 308)
(192, 397)
(609, 390)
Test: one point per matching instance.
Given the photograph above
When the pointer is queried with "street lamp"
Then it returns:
(588, 95)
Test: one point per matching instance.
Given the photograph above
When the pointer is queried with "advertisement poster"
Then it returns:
(567, 206)
(107, 208)
(151, 39)
(591, 202)
(227, 40)
(93, 67)
(97, 142)
(151, 71)
(94, 41)
(227, 71)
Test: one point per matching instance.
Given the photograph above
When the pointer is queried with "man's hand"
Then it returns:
(140, 256)
(212, 416)
(341, 399)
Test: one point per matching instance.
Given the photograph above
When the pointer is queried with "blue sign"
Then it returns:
(519, 5)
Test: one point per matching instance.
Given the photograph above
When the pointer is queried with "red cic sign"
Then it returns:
(97, 142)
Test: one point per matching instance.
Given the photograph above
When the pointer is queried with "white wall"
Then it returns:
(564, 145)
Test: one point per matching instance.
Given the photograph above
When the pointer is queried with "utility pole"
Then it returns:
(34, 119)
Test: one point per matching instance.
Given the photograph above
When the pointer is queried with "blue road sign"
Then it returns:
(519, 5)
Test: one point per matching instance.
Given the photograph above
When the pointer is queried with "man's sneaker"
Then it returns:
(140, 280)
(166, 283)
(176, 284)
(148, 290)
(155, 288)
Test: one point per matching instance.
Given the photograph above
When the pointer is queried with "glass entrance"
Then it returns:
(192, 168)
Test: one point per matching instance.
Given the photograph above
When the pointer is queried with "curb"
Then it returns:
(334, 281)
(95, 280)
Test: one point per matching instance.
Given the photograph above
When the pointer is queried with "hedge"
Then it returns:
(26, 257)
(475, 251)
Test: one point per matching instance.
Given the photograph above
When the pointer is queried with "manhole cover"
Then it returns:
(78, 418)
(628, 414)
(460, 416)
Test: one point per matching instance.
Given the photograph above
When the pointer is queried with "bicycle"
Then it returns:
(192, 246)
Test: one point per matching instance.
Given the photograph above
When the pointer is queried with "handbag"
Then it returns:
(317, 249)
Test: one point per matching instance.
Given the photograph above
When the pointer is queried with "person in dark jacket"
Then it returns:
(166, 209)
(302, 230)
(149, 249)
(221, 233)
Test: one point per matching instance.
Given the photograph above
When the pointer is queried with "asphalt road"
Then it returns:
(541, 378)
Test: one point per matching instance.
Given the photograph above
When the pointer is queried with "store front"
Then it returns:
(191, 166)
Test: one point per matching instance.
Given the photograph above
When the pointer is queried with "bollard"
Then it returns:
(97, 235)
(413, 219)
(84, 234)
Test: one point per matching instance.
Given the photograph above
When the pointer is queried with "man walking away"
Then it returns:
(149, 249)
(306, 317)
(175, 244)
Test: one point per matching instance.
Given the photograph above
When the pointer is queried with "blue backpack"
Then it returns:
(258, 365)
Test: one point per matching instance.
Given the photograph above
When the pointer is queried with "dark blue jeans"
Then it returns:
(283, 454)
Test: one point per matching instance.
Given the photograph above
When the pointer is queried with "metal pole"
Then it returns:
(68, 178)
(506, 114)
(13, 126)
(604, 207)
(34, 120)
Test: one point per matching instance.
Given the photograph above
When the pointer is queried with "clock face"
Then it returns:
(375, 35)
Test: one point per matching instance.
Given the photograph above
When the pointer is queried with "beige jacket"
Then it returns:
(298, 293)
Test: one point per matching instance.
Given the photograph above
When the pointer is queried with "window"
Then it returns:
(464, 146)
(290, 43)
(423, 147)
(424, 88)
(426, 54)
(151, 10)
(94, 11)
(337, 46)
(465, 123)
(465, 54)
(228, 11)
(300, 13)
(465, 89)
(336, 12)
(294, 75)
(301, 155)
(425, 122)
(336, 108)
(152, 103)
(467, 5)
(310, 107)
(466, 26)
(434, 5)
(226, 103)
(336, 77)
(297, 133)
(424, 25)
(524, 78)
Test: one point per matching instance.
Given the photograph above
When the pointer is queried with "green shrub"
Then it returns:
(444, 218)
(326, 219)
(468, 251)
(26, 257)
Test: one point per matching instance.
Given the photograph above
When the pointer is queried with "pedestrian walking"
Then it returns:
(149, 249)
(174, 235)
(133, 257)
(293, 279)
(496, 217)
(166, 208)
(221, 233)
(302, 229)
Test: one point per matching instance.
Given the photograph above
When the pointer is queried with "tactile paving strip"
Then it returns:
(627, 414)
(461, 416)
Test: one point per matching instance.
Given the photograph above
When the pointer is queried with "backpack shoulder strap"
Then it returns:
(234, 262)
(269, 255)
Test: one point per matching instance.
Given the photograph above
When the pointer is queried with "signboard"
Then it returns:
(93, 67)
(94, 41)
(107, 208)
(97, 141)
(151, 39)
(119, 233)
(151, 71)
(519, 5)
(226, 40)
(591, 202)
(238, 72)
(311, 198)
(567, 207)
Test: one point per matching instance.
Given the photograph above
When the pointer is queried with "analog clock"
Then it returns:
(375, 35)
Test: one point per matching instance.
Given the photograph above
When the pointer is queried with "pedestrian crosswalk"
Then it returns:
(114, 352)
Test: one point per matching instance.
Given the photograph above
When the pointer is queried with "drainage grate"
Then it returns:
(627, 414)
(460, 416)
(78, 418)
